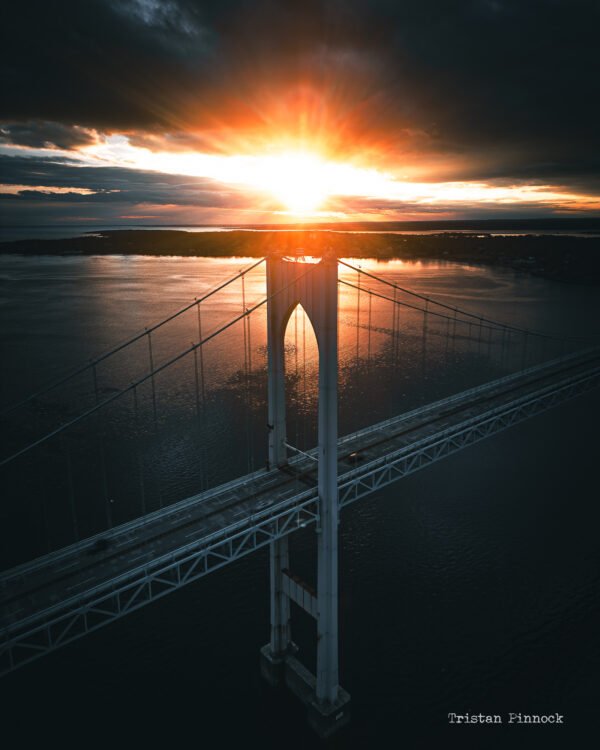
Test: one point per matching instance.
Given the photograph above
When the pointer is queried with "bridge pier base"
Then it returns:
(272, 667)
(324, 717)
(285, 669)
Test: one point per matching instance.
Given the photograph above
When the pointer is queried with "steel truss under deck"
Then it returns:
(75, 617)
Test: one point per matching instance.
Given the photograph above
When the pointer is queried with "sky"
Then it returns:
(244, 112)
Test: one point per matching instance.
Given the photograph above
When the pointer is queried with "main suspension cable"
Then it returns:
(454, 309)
(146, 332)
(136, 383)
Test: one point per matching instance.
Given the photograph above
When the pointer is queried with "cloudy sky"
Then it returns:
(193, 111)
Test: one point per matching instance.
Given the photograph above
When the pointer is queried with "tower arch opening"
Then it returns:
(301, 369)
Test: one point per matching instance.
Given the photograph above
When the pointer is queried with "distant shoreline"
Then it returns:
(532, 224)
(569, 258)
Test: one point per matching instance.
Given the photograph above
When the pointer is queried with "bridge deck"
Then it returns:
(175, 545)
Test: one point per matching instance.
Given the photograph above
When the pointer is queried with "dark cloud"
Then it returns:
(36, 134)
(453, 90)
(378, 210)
(115, 185)
(164, 16)
(97, 63)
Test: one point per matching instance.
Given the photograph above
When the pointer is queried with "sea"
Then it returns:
(472, 586)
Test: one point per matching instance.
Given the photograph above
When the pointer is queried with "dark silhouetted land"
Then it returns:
(562, 257)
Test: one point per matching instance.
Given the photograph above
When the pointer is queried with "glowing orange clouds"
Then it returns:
(48, 189)
(301, 183)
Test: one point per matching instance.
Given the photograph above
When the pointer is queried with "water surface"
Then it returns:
(471, 586)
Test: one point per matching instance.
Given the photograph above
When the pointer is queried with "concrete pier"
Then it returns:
(292, 282)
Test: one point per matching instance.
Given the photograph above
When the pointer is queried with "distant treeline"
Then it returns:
(569, 224)
(567, 258)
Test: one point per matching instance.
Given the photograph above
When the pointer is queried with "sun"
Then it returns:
(298, 180)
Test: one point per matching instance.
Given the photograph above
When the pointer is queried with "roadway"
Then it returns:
(65, 594)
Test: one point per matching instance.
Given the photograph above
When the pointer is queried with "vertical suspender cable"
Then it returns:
(250, 393)
(424, 339)
(369, 338)
(151, 359)
(244, 322)
(201, 349)
(304, 409)
(246, 390)
(99, 425)
(139, 458)
(397, 320)
(44, 501)
(67, 452)
(454, 333)
(357, 316)
(95, 381)
(197, 381)
(524, 356)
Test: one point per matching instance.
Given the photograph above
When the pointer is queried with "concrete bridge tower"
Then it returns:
(313, 285)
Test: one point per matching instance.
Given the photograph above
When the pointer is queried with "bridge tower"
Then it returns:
(290, 282)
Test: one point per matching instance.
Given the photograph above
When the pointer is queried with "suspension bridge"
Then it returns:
(115, 497)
